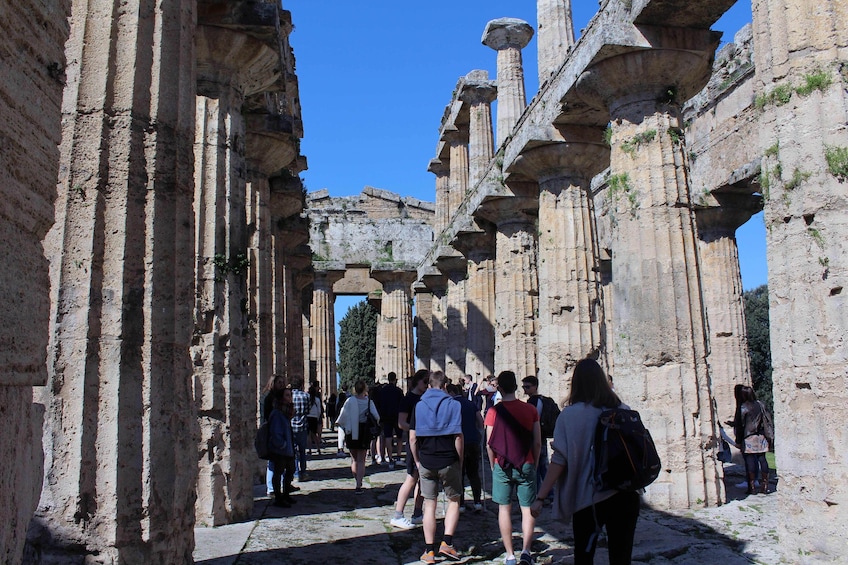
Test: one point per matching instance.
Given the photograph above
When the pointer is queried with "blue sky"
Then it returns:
(376, 76)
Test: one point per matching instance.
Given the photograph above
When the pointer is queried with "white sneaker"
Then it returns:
(417, 520)
(403, 523)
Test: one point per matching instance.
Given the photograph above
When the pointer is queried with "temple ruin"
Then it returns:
(158, 270)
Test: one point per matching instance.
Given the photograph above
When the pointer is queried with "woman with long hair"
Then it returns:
(754, 435)
(570, 469)
(353, 419)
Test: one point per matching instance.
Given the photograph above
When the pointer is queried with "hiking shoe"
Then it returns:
(510, 560)
(403, 523)
(417, 520)
(526, 558)
(428, 557)
(449, 551)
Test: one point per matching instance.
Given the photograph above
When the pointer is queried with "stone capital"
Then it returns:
(475, 245)
(326, 275)
(452, 263)
(579, 159)
(475, 92)
(509, 210)
(235, 59)
(435, 280)
(726, 218)
(505, 33)
(439, 167)
(394, 277)
(455, 135)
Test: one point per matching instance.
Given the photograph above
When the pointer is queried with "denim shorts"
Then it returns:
(524, 481)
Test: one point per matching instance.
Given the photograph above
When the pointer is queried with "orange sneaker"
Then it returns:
(428, 557)
(449, 551)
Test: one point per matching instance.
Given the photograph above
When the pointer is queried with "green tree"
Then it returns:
(759, 346)
(358, 344)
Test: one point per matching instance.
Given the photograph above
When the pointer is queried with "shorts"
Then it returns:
(391, 429)
(411, 467)
(450, 478)
(523, 480)
(312, 424)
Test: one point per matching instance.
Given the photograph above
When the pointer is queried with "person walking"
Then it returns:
(513, 445)
(353, 419)
(300, 428)
(576, 498)
(417, 386)
(754, 436)
(436, 442)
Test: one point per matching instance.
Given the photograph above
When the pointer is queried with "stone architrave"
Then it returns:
(442, 172)
(121, 431)
(508, 36)
(659, 323)
(516, 278)
(556, 35)
(479, 92)
(804, 144)
(323, 327)
(395, 350)
(569, 296)
(438, 285)
(33, 37)
(722, 283)
(423, 324)
(458, 141)
(454, 266)
(479, 250)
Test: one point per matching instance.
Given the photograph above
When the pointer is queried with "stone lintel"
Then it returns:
(680, 13)
(505, 33)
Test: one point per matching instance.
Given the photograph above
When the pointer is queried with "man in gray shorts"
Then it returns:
(437, 445)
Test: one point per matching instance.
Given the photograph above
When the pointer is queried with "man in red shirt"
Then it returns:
(514, 440)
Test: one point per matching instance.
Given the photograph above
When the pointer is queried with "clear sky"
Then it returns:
(375, 78)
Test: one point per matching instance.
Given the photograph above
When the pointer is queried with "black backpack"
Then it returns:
(548, 417)
(626, 458)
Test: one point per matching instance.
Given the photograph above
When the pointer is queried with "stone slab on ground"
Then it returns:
(330, 524)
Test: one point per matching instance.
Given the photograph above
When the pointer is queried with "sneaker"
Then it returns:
(449, 551)
(403, 523)
(359, 490)
(341, 454)
(510, 560)
(417, 520)
(526, 558)
(428, 557)
(391, 464)
(294, 488)
(478, 507)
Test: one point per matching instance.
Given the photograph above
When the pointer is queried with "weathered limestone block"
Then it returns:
(395, 351)
(323, 326)
(454, 266)
(508, 36)
(32, 40)
(800, 53)
(479, 249)
(423, 324)
(121, 431)
(556, 35)
(437, 283)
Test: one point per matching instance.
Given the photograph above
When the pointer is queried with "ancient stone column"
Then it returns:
(453, 265)
(556, 35)
(659, 324)
(458, 140)
(438, 284)
(395, 350)
(423, 324)
(260, 278)
(323, 327)
(479, 92)
(508, 36)
(479, 250)
(308, 364)
(296, 361)
(34, 34)
(121, 426)
(442, 172)
(722, 283)
(570, 312)
(799, 53)
(516, 279)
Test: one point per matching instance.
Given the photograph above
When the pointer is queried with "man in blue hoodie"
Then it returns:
(437, 445)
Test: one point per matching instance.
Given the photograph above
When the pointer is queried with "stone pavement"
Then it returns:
(330, 524)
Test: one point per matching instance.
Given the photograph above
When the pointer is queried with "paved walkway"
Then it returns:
(330, 525)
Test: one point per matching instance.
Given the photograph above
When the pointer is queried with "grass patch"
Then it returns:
(818, 80)
(837, 161)
(798, 176)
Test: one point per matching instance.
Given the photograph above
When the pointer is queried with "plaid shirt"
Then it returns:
(300, 400)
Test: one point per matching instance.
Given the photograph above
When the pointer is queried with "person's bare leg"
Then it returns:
(528, 525)
(505, 525)
(430, 521)
(360, 471)
(354, 464)
(451, 516)
(404, 492)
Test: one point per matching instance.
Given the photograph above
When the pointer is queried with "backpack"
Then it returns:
(626, 458)
(260, 443)
(548, 417)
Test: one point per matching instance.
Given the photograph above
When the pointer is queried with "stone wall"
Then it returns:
(32, 67)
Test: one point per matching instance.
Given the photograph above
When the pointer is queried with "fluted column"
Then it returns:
(556, 35)
(508, 36)
(296, 363)
(442, 172)
(479, 250)
(395, 350)
(423, 324)
(479, 93)
(569, 295)
(260, 279)
(323, 327)
(722, 284)
(516, 281)
(458, 140)
(121, 425)
(307, 368)
(801, 46)
(438, 284)
(454, 268)
(659, 323)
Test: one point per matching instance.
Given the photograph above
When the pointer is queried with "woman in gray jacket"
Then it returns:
(570, 471)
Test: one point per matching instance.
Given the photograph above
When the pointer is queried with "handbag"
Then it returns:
(372, 424)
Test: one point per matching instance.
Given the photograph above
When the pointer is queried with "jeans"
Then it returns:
(300, 450)
(619, 514)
